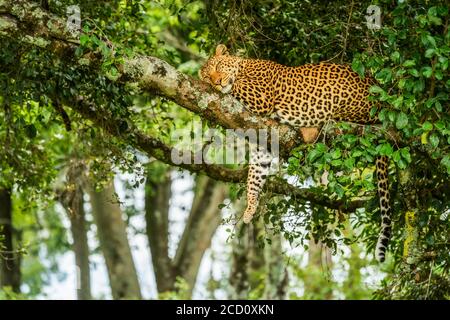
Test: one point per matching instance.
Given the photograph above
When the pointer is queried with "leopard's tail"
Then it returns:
(382, 171)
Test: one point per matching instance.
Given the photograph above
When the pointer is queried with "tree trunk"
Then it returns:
(81, 250)
(247, 259)
(114, 244)
(239, 278)
(9, 261)
(157, 196)
(277, 276)
(250, 260)
(71, 198)
(202, 223)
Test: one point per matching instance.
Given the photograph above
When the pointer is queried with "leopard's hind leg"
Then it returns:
(259, 167)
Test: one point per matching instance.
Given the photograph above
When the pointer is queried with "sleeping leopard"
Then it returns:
(305, 97)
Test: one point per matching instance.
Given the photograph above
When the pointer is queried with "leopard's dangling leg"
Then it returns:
(258, 170)
(385, 207)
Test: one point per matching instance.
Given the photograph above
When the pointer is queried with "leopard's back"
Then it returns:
(304, 96)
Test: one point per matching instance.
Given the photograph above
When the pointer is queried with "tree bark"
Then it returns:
(157, 196)
(247, 258)
(202, 223)
(112, 233)
(277, 276)
(71, 198)
(81, 250)
(250, 260)
(10, 275)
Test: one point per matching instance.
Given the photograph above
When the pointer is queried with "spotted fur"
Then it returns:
(306, 96)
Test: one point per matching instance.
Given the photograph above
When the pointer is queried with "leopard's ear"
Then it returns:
(221, 50)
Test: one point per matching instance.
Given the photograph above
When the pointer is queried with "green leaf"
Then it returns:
(409, 63)
(397, 103)
(430, 53)
(402, 120)
(386, 150)
(427, 72)
(95, 40)
(321, 148)
(376, 89)
(401, 164)
(349, 163)
(434, 140)
(446, 162)
(365, 142)
(336, 163)
(440, 125)
(405, 154)
(396, 156)
(336, 154)
(444, 63)
(431, 40)
(427, 126)
(356, 153)
(84, 38)
(395, 56)
(385, 75)
(414, 73)
(313, 155)
(339, 190)
(358, 67)
(391, 115)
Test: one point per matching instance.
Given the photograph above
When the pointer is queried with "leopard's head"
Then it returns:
(220, 70)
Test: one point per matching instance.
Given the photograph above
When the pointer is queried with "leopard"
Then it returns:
(305, 97)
